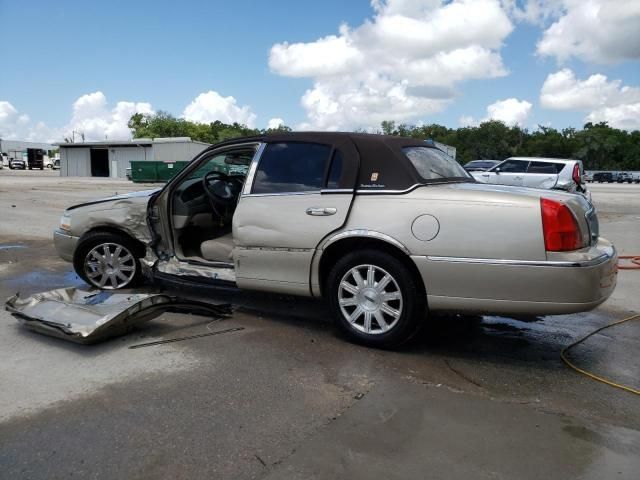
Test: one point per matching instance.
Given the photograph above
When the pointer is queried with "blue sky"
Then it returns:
(165, 54)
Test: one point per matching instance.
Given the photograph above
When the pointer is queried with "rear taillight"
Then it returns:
(560, 227)
(576, 174)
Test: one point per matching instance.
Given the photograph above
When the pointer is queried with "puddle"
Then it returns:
(9, 247)
(43, 279)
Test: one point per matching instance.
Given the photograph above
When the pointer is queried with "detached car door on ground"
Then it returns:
(298, 194)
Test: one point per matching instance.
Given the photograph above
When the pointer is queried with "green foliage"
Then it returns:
(163, 124)
(599, 146)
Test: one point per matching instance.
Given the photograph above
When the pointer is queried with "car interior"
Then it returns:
(202, 207)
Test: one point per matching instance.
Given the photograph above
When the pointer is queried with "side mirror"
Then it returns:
(497, 170)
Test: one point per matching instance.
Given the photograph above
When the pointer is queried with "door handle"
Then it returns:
(517, 178)
(321, 211)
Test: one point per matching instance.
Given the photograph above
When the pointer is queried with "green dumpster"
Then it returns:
(142, 171)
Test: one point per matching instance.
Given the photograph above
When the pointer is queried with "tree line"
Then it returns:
(598, 145)
(163, 124)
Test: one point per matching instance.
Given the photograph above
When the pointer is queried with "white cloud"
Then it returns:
(510, 111)
(535, 11)
(211, 106)
(17, 126)
(399, 65)
(603, 100)
(626, 117)
(327, 56)
(93, 117)
(599, 31)
(8, 119)
(275, 123)
(467, 121)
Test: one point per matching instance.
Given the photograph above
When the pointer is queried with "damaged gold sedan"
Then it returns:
(385, 228)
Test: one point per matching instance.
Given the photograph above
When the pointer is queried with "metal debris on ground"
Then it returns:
(84, 315)
(189, 337)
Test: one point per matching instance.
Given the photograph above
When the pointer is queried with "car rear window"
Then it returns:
(480, 164)
(433, 164)
(545, 167)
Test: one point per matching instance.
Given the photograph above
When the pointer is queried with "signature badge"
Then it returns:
(374, 177)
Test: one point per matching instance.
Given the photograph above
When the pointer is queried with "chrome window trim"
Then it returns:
(305, 192)
(278, 194)
(366, 233)
(527, 263)
(248, 182)
(372, 190)
(336, 190)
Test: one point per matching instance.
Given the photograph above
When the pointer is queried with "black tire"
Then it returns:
(413, 306)
(91, 240)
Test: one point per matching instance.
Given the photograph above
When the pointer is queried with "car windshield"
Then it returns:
(434, 165)
(230, 163)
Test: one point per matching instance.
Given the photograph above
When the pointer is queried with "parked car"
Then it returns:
(588, 177)
(547, 173)
(56, 164)
(386, 229)
(480, 165)
(17, 163)
(624, 177)
(603, 177)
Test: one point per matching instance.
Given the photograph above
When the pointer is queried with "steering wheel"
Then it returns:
(219, 188)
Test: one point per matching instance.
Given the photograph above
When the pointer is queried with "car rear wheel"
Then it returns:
(108, 261)
(376, 300)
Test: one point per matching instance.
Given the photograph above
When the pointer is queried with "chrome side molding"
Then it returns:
(528, 263)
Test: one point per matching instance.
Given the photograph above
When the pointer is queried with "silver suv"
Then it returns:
(535, 172)
(386, 229)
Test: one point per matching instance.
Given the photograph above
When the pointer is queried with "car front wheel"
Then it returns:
(108, 261)
(376, 300)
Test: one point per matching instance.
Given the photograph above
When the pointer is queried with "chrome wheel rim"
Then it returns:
(370, 299)
(110, 266)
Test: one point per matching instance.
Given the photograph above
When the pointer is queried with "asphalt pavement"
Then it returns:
(287, 397)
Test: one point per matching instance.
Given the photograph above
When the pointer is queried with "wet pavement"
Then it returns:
(287, 397)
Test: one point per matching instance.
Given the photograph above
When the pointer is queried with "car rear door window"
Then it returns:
(289, 167)
(335, 171)
(545, 167)
(513, 166)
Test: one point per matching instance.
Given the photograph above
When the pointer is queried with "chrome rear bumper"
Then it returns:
(579, 282)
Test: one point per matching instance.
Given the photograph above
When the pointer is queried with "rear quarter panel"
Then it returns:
(475, 221)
